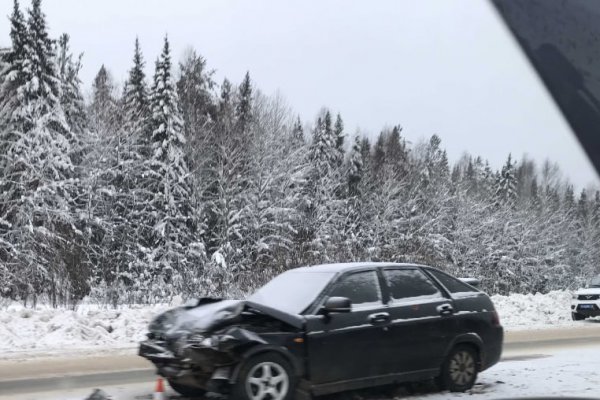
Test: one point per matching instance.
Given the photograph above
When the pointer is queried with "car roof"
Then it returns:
(343, 267)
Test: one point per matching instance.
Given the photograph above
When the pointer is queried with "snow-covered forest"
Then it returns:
(175, 184)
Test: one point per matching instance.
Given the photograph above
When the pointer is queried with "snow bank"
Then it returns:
(92, 327)
(522, 311)
(46, 329)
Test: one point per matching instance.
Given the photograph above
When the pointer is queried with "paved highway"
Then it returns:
(127, 376)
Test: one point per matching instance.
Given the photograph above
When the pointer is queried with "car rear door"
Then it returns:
(346, 346)
(422, 321)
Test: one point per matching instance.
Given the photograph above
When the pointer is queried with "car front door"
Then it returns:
(344, 346)
(422, 322)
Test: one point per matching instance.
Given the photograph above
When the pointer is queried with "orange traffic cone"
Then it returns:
(159, 392)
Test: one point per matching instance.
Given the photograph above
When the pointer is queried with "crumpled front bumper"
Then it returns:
(184, 370)
(166, 362)
(156, 351)
(196, 360)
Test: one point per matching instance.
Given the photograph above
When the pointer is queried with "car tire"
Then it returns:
(577, 317)
(269, 373)
(187, 391)
(459, 370)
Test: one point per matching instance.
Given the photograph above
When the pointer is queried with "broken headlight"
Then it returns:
(200, 340)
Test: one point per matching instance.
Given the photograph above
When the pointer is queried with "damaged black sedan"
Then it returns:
(329, 328)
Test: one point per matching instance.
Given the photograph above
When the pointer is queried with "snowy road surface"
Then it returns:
(538, 362)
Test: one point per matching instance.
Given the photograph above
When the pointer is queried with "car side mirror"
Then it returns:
(337, 305)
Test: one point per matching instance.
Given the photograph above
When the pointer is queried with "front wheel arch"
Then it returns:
(468, 339)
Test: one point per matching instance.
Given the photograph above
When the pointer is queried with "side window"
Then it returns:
(362, 288)
(452, 284)
(409, 285)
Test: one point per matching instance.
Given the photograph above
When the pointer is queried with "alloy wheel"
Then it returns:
(267, 381)
(462, 368)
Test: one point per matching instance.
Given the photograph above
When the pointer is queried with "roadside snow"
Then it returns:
(46, 329)
(533, 311)
(25, 330)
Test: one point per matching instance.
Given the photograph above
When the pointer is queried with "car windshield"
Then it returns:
(292, 291)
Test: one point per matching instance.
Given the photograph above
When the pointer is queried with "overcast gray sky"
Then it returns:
(433, 66)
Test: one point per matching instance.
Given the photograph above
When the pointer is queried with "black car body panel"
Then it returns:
(383, 339)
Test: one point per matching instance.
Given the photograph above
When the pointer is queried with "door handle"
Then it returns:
(379, 317)
(445, 309)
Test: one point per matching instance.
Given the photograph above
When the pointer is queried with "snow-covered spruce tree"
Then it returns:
(73, 104)
(596, 211)
(324, 153)
(585, 240)
(39, 174)
(378, 158)
(534, 196)
(396, 154)
(71, 97)
(195, 90)
(487, 184)
(525, 173)
(12, 78)
(270, 213)
(128, 219)
(218, 177)
(135, 97)
(297, 134)
(226, 173)
(425, 216)
(569, 203)
(352, 225)
(177, 256)
(338, 132)
(323, 194)
(243, 108)
(365, 151)
(583, 208)
(120, 227)
(104, 111)
(595, 228)
(355, 170)
(506, 185)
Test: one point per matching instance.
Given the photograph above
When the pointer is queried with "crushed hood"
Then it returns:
(207, 314)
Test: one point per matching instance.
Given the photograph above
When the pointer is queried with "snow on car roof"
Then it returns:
(340, 267)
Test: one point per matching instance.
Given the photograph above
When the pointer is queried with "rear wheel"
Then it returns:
(459, 370)
(577, 316)
(187, 391)
(267, 376)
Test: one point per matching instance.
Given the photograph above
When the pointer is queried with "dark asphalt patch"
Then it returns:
(36, 385)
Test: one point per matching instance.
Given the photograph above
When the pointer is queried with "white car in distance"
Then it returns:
(586, 301)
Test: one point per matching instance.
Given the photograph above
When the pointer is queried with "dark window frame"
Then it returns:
(390, 301)
(431, 273)
(336, 280)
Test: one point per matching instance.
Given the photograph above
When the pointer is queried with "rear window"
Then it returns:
(452, 284)
(409, 285)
